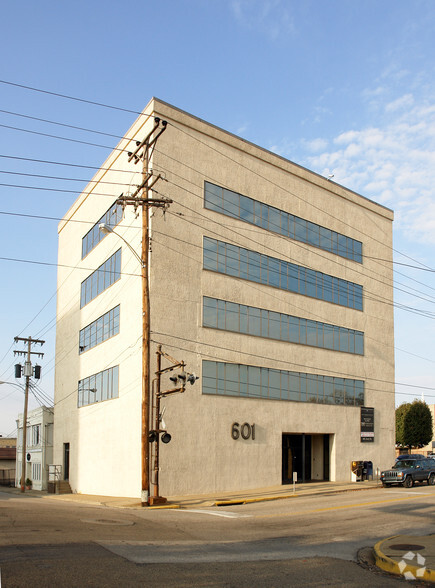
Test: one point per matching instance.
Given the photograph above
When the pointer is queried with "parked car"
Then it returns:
(410, 456)
(406, 472)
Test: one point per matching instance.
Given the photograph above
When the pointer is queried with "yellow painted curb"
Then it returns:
(162, 506)
(249, 500)
(392, 566)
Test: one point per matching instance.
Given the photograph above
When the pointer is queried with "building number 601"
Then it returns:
(246, 431)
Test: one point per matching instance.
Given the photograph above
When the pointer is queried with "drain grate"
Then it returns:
(407, 547)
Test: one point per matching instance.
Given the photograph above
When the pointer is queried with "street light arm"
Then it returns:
(106, 229)
(13, 384)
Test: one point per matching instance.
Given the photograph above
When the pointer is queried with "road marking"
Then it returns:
(340, 507)
(225, 514)
(399, 492)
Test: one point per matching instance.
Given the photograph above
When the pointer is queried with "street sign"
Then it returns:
(367, 424)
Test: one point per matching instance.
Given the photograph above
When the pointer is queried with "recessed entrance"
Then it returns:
(307, 455)
(66, 461)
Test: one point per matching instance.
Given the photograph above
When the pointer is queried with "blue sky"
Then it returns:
(344, 87)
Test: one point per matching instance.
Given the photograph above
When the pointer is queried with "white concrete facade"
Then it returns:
(103, 439)
(39, 447)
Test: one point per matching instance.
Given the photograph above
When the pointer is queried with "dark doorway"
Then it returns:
(66, 461)
(296, 458)
(326, 457)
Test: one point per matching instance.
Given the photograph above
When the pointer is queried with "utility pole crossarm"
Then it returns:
(18, 352)
(29, 340)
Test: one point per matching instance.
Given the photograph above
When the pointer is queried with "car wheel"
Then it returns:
(409, 482)
(385, 485)
(431, 480)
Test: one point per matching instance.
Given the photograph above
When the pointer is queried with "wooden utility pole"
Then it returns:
(28, 372)
(141, 197)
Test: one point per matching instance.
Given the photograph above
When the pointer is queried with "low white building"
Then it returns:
(39, 446)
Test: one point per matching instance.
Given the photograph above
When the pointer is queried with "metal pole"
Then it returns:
(157, 424)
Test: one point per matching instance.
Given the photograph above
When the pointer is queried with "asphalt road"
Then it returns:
(312, 541)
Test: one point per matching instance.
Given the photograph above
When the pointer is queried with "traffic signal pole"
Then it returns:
(28, 372)
(181, 378)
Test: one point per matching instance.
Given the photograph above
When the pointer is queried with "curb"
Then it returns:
(392, 566)
(236, 501)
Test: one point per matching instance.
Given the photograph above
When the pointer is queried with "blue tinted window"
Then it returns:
(111, 218)
(250, 265)
(105, 327)
(278, 221)
(99, 387)
(249, 320)
(210, 254)
(103, 277)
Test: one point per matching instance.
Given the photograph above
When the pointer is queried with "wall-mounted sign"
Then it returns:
(245, 431)
(367, 424)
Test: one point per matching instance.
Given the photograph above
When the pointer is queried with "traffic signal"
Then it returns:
(191, 378)
(183, 377)
(166, 437)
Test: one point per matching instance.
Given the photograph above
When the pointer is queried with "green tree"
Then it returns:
(414, 426)
(401, 412)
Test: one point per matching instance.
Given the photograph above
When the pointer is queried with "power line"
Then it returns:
(61, 138)
(75, 98)
(52, 122)
(47, 263)
(70, 97)
(62, 178)
(322, 211)
(294, 241)
(66, 164)
(64, 191)
(90, 130)
(251, 284)
(366, 292)
(123, 109)
(283, 362)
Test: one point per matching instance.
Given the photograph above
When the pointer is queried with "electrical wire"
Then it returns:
(87, 181)
(367, 294)
(65, 164)
(100, 104)
(294, 241)
(287, 364)
(33, 89)
(177, 250)
(190, 135)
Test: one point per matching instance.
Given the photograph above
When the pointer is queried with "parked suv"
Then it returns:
(408, 471)
(410, 456)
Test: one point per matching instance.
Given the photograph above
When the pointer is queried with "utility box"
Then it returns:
(367, 470)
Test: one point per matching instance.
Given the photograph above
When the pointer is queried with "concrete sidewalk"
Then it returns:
(279, 492)
(206, 500)
(403, 555)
